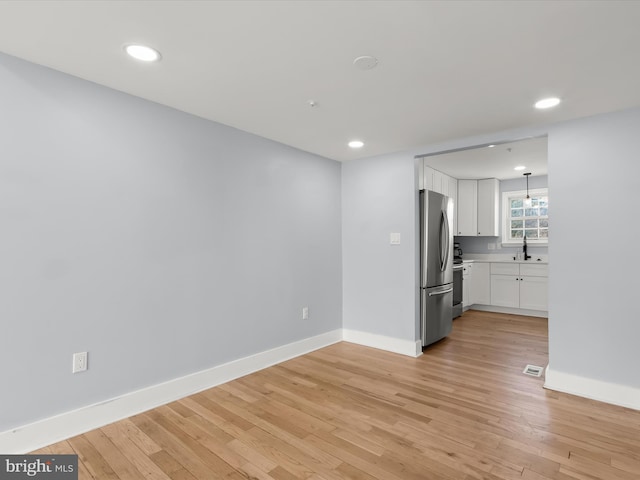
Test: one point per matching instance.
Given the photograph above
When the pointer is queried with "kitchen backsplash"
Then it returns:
(481, 245)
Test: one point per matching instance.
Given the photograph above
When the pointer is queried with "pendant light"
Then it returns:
(527, 200)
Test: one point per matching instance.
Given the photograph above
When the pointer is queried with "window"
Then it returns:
(519, 218)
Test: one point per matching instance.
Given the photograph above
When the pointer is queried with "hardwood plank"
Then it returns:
(139, 459)
(166, 462)
(252, 456)
(97, 466)
(281, 473)
(196, 458)
(352, 455)
(119, 462)
(174, 446)
(462, 411)
(65, 448)
(126, 428)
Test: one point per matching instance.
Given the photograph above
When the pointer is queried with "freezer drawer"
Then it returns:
(436, 313)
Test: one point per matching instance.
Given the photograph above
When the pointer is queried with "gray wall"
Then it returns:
(480, 244)
(161, 243)
(593, 176)
(379, 197)
(593, 171)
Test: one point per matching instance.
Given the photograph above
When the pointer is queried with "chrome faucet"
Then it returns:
(524, 249)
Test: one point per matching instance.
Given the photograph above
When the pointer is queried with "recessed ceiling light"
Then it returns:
(491, 146)
(547, 102)
(356, 144)
(519, 167)
(143, 53)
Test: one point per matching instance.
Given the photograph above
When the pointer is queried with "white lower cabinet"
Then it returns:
(467, 279)
(533, 293)
(519, 286)
(481, 284)
(505, 291)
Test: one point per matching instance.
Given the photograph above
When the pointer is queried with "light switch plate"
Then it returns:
(394, 238)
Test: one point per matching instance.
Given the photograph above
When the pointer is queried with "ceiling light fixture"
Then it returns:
(143, 53)
(547, 103)
(519, 167)
(527, 200)
(491, 146)
(356, 144)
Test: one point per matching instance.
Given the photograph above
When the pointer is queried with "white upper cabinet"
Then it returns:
(476, 203)
(453, 193)
(488, 207)
(427, 177)
(436, 181)
(467, 208)
(478, 208)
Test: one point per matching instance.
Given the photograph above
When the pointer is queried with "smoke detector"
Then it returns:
(366, 62)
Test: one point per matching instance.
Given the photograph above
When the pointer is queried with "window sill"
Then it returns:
(529, 244)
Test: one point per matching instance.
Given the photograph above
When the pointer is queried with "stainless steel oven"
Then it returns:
(457, 290)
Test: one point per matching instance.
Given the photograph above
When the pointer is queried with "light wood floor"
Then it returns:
(461, 411)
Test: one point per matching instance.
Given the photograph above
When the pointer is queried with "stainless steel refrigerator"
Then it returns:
(436, 266)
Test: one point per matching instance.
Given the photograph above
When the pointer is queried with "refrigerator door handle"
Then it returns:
(441, 292)
(423, 250)
(444, 252)
(448, 242)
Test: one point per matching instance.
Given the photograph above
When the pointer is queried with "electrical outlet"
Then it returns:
(80, 362)
(305, 313)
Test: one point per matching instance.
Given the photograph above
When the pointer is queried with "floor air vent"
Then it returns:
(533, 370)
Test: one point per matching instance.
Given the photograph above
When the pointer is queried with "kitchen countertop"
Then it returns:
(497, 258)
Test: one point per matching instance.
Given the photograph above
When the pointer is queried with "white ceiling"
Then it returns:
(446, 69)
(494, 162)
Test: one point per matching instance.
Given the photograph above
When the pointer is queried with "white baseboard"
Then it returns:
(69, 424)
(390, 344)
(594, 389)
(509, 310)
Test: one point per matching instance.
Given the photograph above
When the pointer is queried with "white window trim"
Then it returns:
(505, 217)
